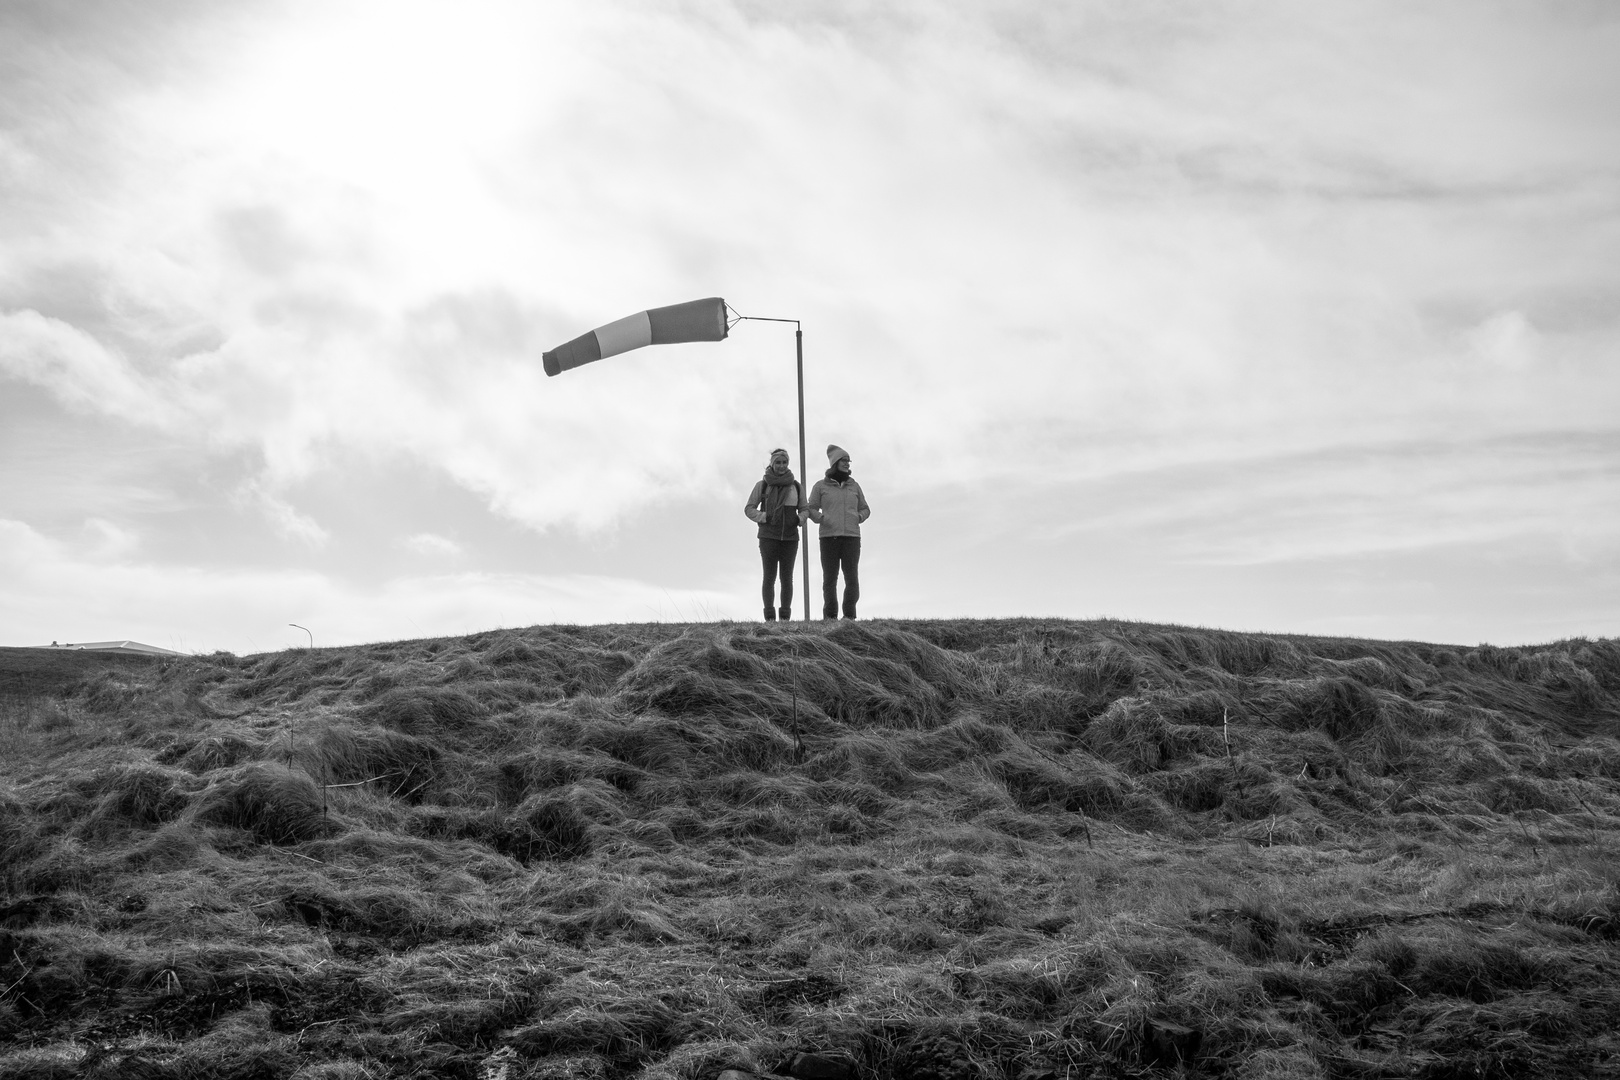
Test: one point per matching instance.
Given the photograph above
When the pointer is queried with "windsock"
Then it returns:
(696, 320)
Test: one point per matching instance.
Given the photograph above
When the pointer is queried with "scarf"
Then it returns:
(837, 477)
(776, 489)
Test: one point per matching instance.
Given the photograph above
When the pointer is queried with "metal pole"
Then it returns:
(804, 526)
(804, 471)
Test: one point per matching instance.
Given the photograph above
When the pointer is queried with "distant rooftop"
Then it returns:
(112, 646)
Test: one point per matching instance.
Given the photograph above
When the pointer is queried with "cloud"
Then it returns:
(1034, 247)
(433, 545)
(1063, 239)
(75, 598)
(288, 522)
(78, 369)
(1505, 340)
(109, 540)
(1360, 500)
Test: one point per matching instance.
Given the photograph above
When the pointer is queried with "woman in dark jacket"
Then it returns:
(776, 504)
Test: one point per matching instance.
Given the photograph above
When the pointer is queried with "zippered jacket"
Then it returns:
(839, 506)
(781, 523)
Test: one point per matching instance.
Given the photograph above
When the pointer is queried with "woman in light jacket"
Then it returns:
(776, 505)
(838, 505)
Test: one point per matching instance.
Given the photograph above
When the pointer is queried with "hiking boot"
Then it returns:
(770, 615)
(786, 613)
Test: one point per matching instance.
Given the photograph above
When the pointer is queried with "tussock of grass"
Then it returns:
(941, 849)
(138, 795)
(276, 805)
(542, 828)
(1342, 707)
(430, 709)
(223, 751)
(403, 765)
(20, 832)
(170, 847)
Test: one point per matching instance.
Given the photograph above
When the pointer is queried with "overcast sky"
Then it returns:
(1265, 316)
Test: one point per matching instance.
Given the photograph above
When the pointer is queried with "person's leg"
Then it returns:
(769, 554)
(829, 577)
(851, 558)
(790, 556)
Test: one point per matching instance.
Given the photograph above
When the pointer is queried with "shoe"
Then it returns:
(770, 616)
(785, 614)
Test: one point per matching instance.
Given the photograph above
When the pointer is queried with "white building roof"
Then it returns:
(113, 646)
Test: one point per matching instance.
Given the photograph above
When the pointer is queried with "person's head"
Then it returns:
(838, 459)
(779, 459)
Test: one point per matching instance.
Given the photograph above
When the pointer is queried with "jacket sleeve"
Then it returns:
(813, 507)
(755, 497)
(862, 510)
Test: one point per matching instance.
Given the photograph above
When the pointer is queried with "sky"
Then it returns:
(1267, 316)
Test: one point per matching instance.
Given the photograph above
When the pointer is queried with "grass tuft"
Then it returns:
(276, 805)
(543, 828)
(425, 710)
(140, 795)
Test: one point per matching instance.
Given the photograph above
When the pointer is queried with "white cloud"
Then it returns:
(288, 522)
(109, 540)
(77, 369)
(433, 545)
(72, 598)
(943, 246)
(1067, 242)
(1505, 340)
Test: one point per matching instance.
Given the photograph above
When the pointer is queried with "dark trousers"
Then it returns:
(777, 557)
(839, 551)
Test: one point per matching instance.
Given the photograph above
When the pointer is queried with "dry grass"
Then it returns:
(939, 849)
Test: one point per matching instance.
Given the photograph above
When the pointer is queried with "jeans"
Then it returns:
(777, 556)
(838, 551)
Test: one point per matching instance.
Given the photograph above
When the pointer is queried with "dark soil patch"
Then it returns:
(777, 997)
(334, 999)
(180, 1016)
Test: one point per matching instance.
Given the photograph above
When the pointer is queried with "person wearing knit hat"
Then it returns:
(838, 505)
(776, 506)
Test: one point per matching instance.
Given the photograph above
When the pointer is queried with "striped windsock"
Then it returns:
(696, 320)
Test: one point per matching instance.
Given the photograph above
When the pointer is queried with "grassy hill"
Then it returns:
(926, 850)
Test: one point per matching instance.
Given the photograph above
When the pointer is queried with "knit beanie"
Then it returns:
(834, 452)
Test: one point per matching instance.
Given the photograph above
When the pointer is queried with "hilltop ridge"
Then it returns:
(940, 849)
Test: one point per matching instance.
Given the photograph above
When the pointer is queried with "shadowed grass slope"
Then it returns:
(1010, 848)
